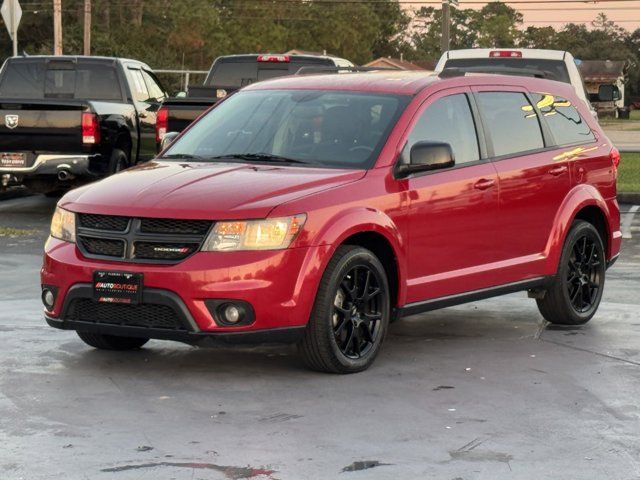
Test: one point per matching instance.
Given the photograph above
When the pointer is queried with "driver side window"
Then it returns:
(448, 119)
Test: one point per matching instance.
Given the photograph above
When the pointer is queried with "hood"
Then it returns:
(215, 191)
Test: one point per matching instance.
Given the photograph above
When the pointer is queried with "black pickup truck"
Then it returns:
(66, 120)
(230, 73)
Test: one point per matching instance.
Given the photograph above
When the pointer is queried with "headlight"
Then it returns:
(269, 234)
(63, 225)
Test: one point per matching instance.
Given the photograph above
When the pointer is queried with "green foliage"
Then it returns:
(191, 33)
(629, 173)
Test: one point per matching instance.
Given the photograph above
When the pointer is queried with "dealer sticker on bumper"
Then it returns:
(117, 287)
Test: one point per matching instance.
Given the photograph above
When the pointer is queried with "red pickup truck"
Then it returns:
(317, 209)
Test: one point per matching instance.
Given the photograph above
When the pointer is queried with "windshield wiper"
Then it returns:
(262, 157)
(182, 156)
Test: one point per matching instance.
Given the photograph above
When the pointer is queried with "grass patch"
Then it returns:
(16, 232)
(629, 173)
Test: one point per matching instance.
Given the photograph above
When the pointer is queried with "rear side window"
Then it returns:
(448, 120)
(564, 120)
(512, 122)
(138, 87)
(60, 79)
(23, 80)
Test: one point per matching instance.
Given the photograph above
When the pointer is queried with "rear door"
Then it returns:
(454, 211)
(534, 180)
(147, 108)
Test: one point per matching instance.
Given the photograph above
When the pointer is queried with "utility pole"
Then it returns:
(57, 27)
(87, 27)
(445, 44)
(446, 25)
(14, 26)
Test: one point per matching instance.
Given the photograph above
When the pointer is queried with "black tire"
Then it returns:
(119, 161)
(574, 296)
(111, 342)
(350, 315)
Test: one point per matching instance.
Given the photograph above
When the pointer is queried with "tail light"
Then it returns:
(274, 58)
(505, 54)
(615, 158)
(90, 128)
(162, 123)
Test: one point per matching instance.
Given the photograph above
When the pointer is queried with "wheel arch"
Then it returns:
(584, 202)
(375, 231)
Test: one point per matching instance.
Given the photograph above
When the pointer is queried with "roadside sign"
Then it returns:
(11, 14)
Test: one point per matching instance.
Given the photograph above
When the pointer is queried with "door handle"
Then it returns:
(484, 184)
(555, 171)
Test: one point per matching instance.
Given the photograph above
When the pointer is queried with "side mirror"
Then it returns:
(168, 139)
(181, 94)
(608, 93)
(426, 156)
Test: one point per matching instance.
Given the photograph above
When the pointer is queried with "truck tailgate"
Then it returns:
(183, 111)
(41, 125)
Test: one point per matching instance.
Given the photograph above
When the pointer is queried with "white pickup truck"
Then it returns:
(551, 64)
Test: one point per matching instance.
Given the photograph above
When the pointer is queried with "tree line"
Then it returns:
(191, 33)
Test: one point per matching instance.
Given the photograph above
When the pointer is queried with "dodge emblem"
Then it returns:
(11, 121)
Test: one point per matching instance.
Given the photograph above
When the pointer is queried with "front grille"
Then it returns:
(132, 239)
(146, 315)
(164, 251)
(174, 227)
(104, 222)
(102, 246)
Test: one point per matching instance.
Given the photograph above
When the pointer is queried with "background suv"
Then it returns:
(317, 208)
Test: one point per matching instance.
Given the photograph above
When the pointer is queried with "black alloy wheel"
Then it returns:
(350, 315)
(575, 293)
(583, 275)
(356, 312)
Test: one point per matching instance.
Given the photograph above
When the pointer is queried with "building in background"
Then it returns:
(395, 63)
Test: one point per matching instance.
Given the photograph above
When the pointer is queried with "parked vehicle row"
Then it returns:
(316, 209)
(551, 64)
(228, 74)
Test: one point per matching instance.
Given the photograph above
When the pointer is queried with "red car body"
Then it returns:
(457, 235)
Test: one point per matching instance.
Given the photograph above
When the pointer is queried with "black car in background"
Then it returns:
(230, 73)
(66, 119)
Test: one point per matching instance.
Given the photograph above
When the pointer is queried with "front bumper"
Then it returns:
(280, 285)
(45, 164)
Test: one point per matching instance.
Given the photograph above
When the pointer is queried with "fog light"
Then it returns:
(48, 298)
(232, 314)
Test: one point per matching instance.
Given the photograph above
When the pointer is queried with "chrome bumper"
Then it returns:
(52, 164)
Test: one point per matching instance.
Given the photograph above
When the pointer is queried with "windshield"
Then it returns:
(556, 68)
(323, 128)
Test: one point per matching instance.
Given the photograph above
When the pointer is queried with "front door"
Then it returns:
(453, 212)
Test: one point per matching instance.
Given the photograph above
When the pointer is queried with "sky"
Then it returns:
(556, 13)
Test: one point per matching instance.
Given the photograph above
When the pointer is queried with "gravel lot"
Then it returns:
(480, 391)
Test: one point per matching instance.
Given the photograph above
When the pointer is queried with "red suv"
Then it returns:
(316, 209)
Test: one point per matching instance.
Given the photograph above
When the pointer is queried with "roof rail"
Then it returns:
(307, 69)
(521, 72)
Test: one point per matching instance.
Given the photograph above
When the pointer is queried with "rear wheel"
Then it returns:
(350, 315)
(119, 161)
(575, 294)
(111, 342)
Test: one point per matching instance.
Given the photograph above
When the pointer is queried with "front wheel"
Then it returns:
(576, 291)
(111, 342)
(350, 315)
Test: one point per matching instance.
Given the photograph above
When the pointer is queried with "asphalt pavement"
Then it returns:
(480, 391)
